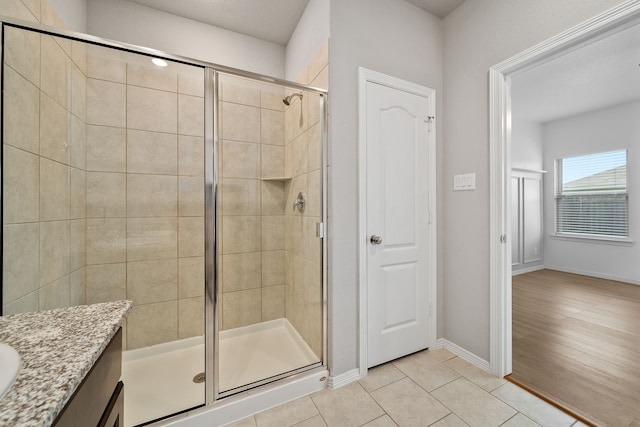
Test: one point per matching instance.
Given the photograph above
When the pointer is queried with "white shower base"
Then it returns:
(159, 379)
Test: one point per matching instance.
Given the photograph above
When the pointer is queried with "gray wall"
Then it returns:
(133, 23)
(609, 129)
(526, 144)
(398, 39)
(311, 33)
(73, 13)
(477, 35)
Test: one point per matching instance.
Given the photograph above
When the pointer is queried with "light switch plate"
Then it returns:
(464, 182)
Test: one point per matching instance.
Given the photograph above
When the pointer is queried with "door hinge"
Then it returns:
(320, 230)
(429, 121)
(503, 238)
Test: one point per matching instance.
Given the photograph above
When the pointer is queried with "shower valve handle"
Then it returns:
(300, 201)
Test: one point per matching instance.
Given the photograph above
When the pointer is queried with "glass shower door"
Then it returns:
(270, 288)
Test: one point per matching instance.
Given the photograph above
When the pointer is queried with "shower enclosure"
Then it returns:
(192, 189)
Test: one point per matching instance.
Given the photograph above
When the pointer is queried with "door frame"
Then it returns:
(369, 76)
(619, 17)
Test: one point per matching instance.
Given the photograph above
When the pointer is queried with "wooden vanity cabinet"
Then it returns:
(98, 401)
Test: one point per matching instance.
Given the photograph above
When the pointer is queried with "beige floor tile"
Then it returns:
(316, 421)
(482, 378)
(347, 406)
(520, 421)
(288, 414)
(531, 406)
(381, 376)
(427, 372)
(408, 404)
(440, 354)
(383, 421)
(472, 404)
(450, 420)
(245, 422)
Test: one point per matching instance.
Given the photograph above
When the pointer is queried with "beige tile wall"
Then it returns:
(145, 194)
(44, 216)
(303, 250)
(252, 205)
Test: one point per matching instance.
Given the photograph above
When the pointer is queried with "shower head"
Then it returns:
(287, 99)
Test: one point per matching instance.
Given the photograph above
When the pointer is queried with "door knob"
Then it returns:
(376, 240)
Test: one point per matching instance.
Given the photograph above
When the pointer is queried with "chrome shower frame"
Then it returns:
(214, 392)
(212, 148)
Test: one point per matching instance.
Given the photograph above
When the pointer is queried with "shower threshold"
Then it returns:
(159, 379)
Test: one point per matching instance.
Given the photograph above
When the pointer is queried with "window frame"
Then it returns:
(592, 237)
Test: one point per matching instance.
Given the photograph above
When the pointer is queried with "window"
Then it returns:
(591, 195)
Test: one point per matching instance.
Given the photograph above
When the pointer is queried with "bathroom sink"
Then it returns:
(9, 367)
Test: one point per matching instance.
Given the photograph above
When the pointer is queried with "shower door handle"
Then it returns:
(375, 240)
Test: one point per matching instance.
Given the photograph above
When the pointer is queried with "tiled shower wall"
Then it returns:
(271, 257)
(303, 162)
(44, 165)
(145, 194)
(103, 182)
(252, 244)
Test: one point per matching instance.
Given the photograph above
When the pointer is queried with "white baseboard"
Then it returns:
(593, 274)
(343, 379)
(464, 354)
(527, 270)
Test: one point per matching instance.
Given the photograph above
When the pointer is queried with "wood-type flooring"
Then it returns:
(576, 341)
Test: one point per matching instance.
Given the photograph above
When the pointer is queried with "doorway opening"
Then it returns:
(509, 79)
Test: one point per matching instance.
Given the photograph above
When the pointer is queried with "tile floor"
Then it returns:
(430, 388)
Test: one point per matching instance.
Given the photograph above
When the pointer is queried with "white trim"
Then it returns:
(362, 223)
(593, 274)
(344, 379)
(464, 354)
(528, 269)
(364, 76)
(587, 238)
(527, 170)
(499, 134)
(500, 222)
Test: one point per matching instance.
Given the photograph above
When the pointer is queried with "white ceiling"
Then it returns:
(271, 20)
(599, 75)
(440, 8)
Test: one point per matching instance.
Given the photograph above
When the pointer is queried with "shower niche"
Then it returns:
(174, 186)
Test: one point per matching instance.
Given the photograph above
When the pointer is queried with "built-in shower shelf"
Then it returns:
(277, 178)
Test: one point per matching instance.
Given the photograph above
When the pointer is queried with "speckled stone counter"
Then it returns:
(57, 349)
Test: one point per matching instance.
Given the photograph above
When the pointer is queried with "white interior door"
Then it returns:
(399, 131)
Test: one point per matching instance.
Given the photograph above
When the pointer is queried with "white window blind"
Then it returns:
(591, 195)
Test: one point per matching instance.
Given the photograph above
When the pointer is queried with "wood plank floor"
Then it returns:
(576, 340)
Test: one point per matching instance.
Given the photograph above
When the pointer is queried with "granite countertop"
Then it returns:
(57, 349)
